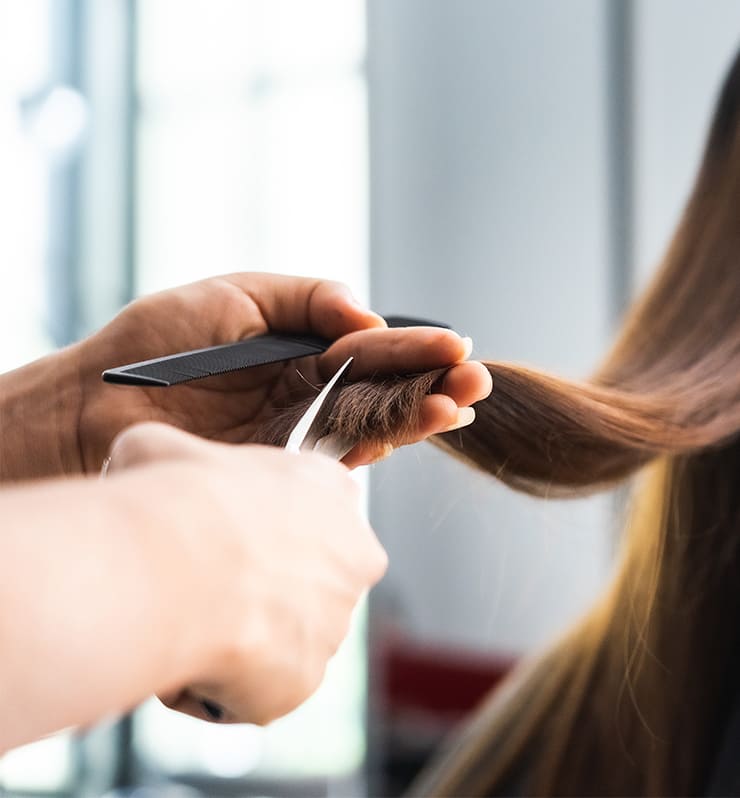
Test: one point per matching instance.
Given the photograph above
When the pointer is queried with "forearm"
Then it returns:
(91, 606)
(39, 415)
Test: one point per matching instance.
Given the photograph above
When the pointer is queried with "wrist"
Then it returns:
(175, 512)
(39, 418)
(165, 527)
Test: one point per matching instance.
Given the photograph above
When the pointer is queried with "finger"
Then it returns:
(300, 304)
(467, 383)
(439, 413)
(366, 454)
(150, 442)
(170, 699)
(203, 709)
(401, 350)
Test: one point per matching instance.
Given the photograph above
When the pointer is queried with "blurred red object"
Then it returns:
(419, 692)
(443, 682)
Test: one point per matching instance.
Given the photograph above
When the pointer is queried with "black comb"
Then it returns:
(257, 351)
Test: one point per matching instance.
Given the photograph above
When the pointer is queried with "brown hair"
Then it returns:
(634, 699)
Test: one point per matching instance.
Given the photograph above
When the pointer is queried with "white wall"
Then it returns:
(489, 212)
(682, 50)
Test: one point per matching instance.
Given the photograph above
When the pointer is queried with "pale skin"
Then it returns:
(197, 569)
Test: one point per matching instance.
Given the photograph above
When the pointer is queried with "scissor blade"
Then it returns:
(307, 431)
(335, 446)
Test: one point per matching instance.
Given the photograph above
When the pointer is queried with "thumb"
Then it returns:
(151, 442)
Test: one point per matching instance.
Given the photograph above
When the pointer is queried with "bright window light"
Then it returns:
(252, 155)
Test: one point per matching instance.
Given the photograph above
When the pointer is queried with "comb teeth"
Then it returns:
(258, 351)
(186, 366)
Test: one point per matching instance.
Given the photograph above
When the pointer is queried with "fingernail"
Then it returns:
(465, 417)
(468, 347)
(385, 451)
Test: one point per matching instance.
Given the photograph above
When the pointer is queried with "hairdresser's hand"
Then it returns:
(282, 558)
(230, 408)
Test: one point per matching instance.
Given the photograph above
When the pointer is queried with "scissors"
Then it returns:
(306, 436)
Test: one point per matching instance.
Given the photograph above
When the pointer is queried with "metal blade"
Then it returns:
(307, 431)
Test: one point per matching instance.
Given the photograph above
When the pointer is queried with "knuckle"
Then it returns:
(333, 287)
(342, 627)
(381, 561)
(376, 561)
(323, 462)
(314, 678)
(134, 444)
(302, 688)
(442, 340)
(261, 716)
(332, 473)
(155, 441)
(351, 487)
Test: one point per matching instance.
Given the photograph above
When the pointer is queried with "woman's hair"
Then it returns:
(635, 698)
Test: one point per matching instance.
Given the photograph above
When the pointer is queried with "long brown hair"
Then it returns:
(634, 699)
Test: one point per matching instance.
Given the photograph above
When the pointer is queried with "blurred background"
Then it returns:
(513, 168)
